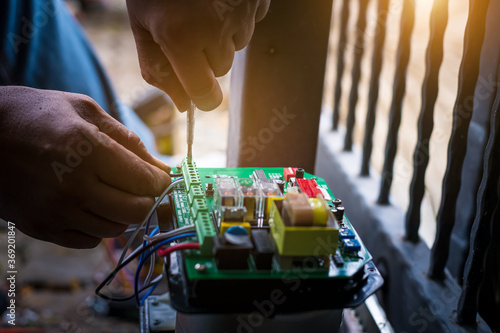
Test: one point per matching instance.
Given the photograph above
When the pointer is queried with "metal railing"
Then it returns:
(481, 55)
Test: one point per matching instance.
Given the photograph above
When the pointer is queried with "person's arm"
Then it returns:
(183, 45)
(69, 173)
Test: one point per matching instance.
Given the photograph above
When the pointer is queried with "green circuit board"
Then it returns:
(195, 203)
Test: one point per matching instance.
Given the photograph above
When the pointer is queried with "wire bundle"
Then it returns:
(152, 243)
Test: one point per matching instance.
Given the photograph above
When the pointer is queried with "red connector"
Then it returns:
(288, 173)
(309, 187)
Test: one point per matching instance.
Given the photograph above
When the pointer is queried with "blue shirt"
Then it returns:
(44, 47)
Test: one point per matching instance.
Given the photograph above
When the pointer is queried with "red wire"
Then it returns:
(177, 247)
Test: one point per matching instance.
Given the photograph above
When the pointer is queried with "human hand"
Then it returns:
(183, 45)
(70, 174)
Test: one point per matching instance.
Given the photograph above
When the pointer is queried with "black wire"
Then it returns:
(127, 298)
(118, 268)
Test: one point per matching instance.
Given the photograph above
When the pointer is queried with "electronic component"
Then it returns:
(350, 245)
(252, 198)
(339, 213)
(229, 255)
(224, 226)
(195, 193)
(226, 195)
(263, 249)
(320, 211)
(288, 173)
(301, 239)
(281, 184)
(299, 173)
(297, 210)
(338, 261)
(233, 214)
(346, 233)
(190, 174)
(269, 192)
(209, 191)
(260, 175)
(309, 187)
(325, 193)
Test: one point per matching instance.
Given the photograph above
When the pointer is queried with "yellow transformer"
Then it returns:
(303, 226)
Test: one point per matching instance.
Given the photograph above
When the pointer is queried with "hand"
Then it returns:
(71, 174)
(183, 45)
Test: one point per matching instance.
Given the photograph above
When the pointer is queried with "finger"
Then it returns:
(262, 10)
(75, 239)
(96, 226)
(221, 58)
(121, 134)
(122, 169)
(197, 78)
(242, 37)
(157, 71)
(115, 205)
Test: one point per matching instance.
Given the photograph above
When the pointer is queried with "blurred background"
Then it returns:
(56, 285)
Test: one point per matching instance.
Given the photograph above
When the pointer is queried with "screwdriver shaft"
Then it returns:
(190, 131)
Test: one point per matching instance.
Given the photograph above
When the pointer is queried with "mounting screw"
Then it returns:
(337, 202)
(200, 267)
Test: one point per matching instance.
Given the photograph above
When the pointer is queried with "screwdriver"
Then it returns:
(190, 131)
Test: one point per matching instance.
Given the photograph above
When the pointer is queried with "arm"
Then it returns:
(71, 174)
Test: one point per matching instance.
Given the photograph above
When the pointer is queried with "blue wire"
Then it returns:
(147, 255)
(145, 243)
(150, 291)
(148, 222)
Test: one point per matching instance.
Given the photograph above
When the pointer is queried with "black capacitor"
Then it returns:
(281, 184)
(339, 214)
(299, 173)
(337, 202)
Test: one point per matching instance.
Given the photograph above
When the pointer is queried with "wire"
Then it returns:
(181, 246)
(147, 255)
(175, 175)
(152, 262)
(171, 233)
(156, 281)
(134, 235)
(127, 260)
(126, 275)
(150, 291)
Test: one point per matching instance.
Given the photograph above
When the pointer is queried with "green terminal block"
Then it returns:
(206, 233)
(302, 241)
(190, 173)
(199, 206)
(196, 192)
